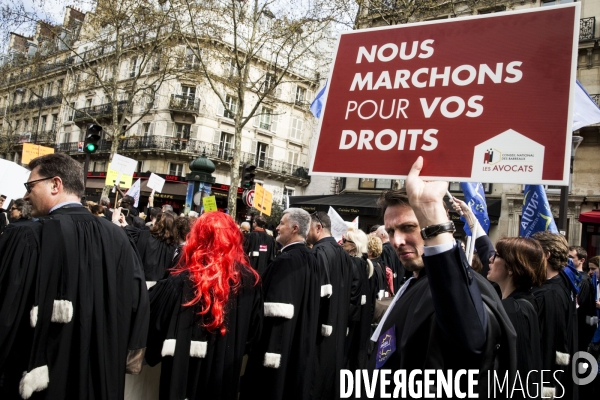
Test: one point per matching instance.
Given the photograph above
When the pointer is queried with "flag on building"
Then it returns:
(317, 105)
(475, 198)
(536, 215)
(135, 191)
(585, 110)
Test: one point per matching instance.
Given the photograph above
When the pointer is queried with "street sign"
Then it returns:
(263, 199)
(248, 197)
(438, 89)
(80, 146)
(31, 151)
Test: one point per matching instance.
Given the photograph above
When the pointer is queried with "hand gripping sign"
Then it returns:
(470, 95)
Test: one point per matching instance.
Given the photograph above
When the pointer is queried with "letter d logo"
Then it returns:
(588, 366)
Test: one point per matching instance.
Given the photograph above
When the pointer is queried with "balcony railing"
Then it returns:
(35, 103)
(190, 146)
(184, 103)
(587, 28)
(100, 111)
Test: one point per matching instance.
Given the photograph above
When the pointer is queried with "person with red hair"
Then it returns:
(206, 314)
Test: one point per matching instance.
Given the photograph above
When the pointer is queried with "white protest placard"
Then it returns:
(124, 165)
(12, 178)
(338, 225)
(155, 183)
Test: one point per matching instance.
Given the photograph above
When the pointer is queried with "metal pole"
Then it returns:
(86, 166)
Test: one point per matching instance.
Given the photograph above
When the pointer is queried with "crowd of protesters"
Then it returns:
(197, 307)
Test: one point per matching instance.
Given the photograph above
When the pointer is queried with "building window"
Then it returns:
(300, 96)
(175, 169)
(43, 124)
(70, 112)
(269, 83)
(146, 129)
(54, 121)
(182, 131)
(48, 90)
(288, 191)
(225, 145)
(371, 183)
(296, 129)
(265, 118)
(261, 154)
(293, 158)
(191, 58)
(231, 109)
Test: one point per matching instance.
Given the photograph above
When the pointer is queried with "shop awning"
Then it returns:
(590, 217)
(351, 203)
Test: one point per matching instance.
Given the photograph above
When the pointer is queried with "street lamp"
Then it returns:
(37, 126)
(564, 190)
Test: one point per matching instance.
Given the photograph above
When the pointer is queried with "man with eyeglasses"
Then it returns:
(448, 317)
(336, 283)
(74, 305)
(3, 215)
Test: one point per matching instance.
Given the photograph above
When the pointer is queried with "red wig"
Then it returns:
(214, 256)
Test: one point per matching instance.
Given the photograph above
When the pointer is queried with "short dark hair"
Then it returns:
(155, 212)
(128, 199)
(261, 222)
(63, 166)
(374, 228)
(391, 198)
(525, 258)
(557, 246)
(322, 219)
(23, 207)
(580, 251)
(97, 209)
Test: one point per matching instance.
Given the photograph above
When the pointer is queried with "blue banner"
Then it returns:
(536, 215)
(475, 198)
(317, 105)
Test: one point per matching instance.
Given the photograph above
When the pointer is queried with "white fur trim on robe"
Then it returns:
(272, 360)
(562, 358)
(62, 311)
(149, 284)
(279, 310)
(168, 348)
(198, 349)
(34, 381)
(326, 290)
(33, 314)
(326, 330)
(363, 300)
(548, 392)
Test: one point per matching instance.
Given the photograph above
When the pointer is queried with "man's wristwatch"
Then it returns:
(434, 230)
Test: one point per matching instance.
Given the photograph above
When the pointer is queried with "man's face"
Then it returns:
(576, 260)
(313, 233)
(404, 233)
(2, 202)
(40, 196)
(593, 269)
(14, 212)
(286, 230)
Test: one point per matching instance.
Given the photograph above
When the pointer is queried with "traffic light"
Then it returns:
(248, 175)
(92, 137)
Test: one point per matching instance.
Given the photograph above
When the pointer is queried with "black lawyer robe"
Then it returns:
(281, 364)
(586, 310)
(336, 281)
(73, 307)
(260, 248)
(389, 258)
(361, 315)
(557, 317)
(450, 317)
(197, 364)
(521, 309)
(156, 255)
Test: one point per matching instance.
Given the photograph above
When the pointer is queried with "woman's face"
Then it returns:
(498, 272)
(349, 246)
(593, 268)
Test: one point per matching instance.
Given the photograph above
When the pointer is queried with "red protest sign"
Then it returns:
(484, 98)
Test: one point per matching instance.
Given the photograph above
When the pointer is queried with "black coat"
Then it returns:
(389, 258)
(156, 255)
(261, 250)
(557, 317)
(281, 364)
(197, 364)
(361, 315)
(336, 281)
(450, 317)
(73, 307)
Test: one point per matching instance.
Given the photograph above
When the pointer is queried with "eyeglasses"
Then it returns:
(344, 240)
(13, 208)
(29, 185)
(495, 255)
(316, 214)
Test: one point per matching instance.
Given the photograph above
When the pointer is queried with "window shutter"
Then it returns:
(278, 92)
(294, 89)
(139, 130)
(310, 96)
(256, 120)
(274, 119)
(270, 152)
(220, 108)
(151, 129)
(253, 147)
(125, 69)
(217, 137)
(169, 131)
